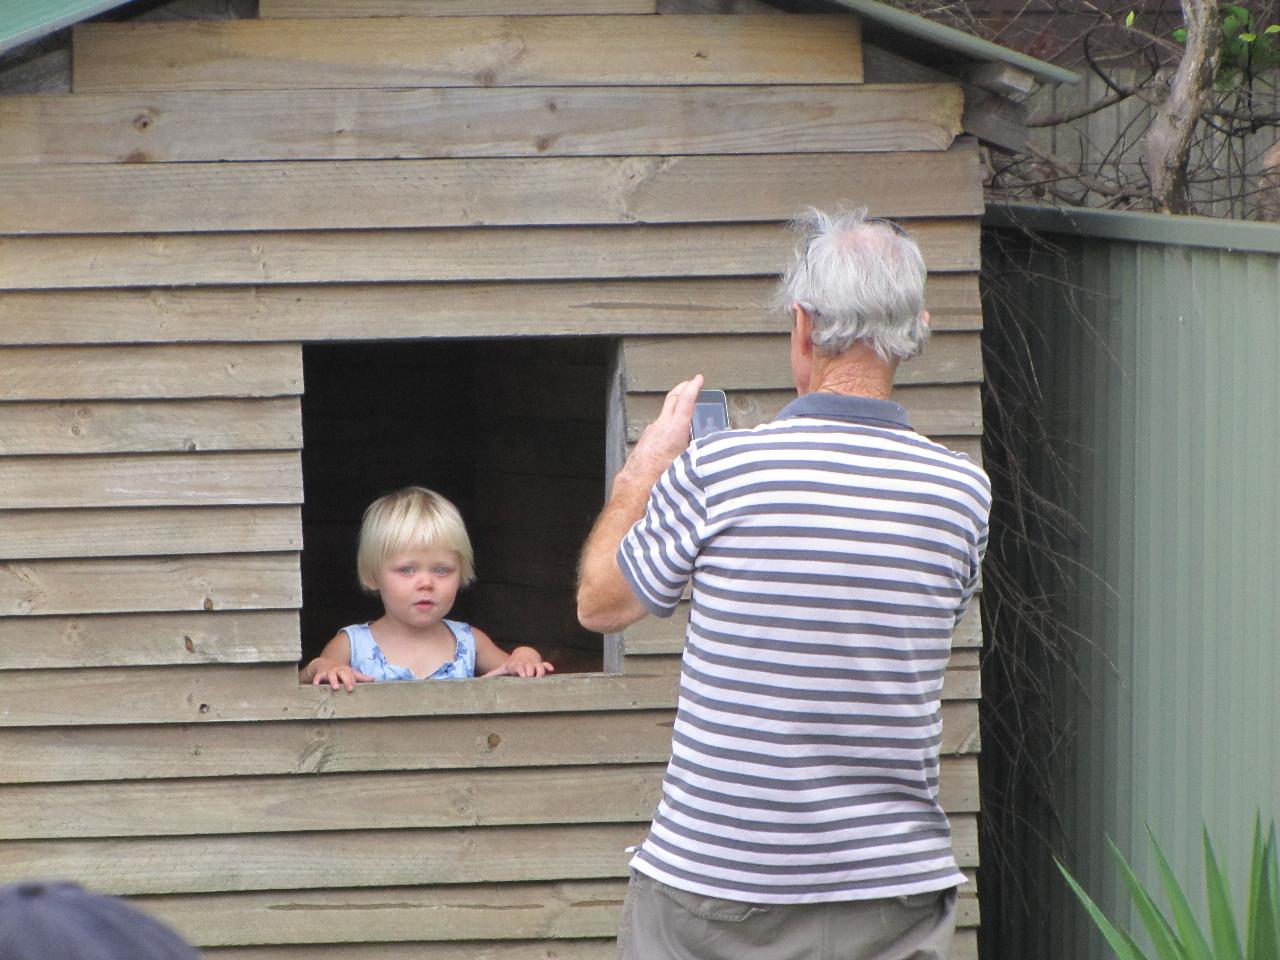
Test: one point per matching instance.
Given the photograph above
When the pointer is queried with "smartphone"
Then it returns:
(710, 413)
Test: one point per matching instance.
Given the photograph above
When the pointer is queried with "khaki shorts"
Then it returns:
(662, 923)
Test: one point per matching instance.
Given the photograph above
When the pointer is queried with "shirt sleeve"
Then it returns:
(977, 552)
(658, 553)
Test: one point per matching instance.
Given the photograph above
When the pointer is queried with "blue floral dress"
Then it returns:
(367, 656)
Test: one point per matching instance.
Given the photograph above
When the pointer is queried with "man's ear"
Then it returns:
(802, 329)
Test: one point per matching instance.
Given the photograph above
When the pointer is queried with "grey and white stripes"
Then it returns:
(832, 552)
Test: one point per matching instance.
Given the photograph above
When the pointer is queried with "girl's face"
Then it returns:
(418, 586)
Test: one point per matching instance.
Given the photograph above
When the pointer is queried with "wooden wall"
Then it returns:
(213, 196)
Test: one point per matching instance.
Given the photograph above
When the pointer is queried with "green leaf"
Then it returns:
(1274, 28)
(1235, 21)
(1275, 877)
(1247, 37)
(1120, 942)
(1263, 934)
(1180, 34)
(1129, 18)
(1226, 939)
(1162, 935)
(1257, 890)
(1194, 943)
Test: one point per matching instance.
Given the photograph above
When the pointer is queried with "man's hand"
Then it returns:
(664, 439)
(605, 601)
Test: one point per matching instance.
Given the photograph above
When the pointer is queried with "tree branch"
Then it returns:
(1076, 172)
(1169, 140)
(1110, 100)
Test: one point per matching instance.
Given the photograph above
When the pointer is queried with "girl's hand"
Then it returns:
(523, 662)
(322, 670)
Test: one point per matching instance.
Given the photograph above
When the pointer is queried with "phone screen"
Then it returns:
(710, 413)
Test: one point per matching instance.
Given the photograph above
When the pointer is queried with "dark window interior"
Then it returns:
(512, 431)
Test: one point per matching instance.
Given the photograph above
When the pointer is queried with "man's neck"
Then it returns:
(858, 372)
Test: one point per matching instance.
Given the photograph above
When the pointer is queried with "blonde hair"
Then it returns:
(409, 519)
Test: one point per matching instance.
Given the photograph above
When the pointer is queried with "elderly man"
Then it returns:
(832, 552)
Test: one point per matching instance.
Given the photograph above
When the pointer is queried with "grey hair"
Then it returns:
(861, 280)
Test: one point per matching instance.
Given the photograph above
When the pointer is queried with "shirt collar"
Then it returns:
(838, 406)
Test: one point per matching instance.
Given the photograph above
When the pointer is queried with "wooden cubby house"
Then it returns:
(255, 271)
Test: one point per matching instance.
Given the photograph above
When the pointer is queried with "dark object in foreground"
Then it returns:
(53, 920)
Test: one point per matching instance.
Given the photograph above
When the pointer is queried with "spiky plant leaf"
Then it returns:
(1275, 875)
(1158, 928)
(1222, 921)
(1262, 938)
(1194, 944)
(1124, 946)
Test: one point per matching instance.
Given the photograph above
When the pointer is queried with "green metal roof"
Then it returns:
(1183, 231)
(955, 41)
(22, 21)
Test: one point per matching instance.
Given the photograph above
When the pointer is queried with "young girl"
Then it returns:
(415, 554)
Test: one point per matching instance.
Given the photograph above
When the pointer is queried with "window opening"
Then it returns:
(512, 431)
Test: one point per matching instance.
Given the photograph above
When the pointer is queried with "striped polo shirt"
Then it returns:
(832, 553)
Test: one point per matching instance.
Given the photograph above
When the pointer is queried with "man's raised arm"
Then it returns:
(606, 603)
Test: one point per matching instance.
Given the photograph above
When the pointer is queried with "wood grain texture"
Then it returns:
(656, 636)
(764, 362)
(476, 253)
(997, 121)
(49, 534)
(400, 311)
(364, 801)
(149, 426)
(270, 692)
(303, 9)
(572, 909)
(143, 751)
(948, 409)
(122, 198)
(504, 122)
(251, 581)
(148, 639)
(150, 480)
(363, 858)
(127, 372)
(463, 52)
(347, 801)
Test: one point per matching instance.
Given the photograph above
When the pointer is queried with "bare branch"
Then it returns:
(1056, 119)
(1110, 17)
(1076, 172)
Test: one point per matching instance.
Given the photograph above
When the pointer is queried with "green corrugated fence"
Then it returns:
(1152, 349)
